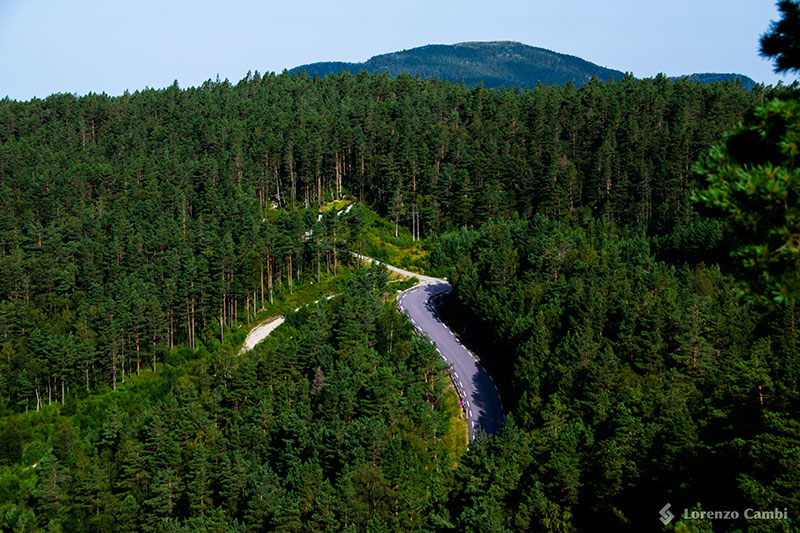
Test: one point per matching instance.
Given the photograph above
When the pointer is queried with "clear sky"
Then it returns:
(78, 46)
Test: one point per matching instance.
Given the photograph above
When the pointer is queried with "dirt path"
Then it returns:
(261, 332)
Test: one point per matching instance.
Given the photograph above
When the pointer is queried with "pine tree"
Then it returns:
(782, 41)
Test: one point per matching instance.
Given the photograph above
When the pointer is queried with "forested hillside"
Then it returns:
(134, 223)
(491, 64)
(326, 425)
(635, 382)
(712, 77)
(140, 235)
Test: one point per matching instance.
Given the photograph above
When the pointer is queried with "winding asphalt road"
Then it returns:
(479, 394)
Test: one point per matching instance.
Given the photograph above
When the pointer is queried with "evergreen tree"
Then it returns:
(781, 41)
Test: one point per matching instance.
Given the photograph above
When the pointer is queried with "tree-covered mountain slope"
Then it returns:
(141, 235)
(495, 64)
(712, 77)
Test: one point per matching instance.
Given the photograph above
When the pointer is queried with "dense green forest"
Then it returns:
(141, 234)
(146, 220)
(635, 381)
(327, 424)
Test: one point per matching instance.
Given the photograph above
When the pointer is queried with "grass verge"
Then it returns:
(401, 251)
(457, 440)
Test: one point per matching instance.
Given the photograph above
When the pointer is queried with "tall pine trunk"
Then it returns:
(269, 278)
(294, 184)
(137, 353)
(290, 275)
(261, 264)
(113, 365)
(192, 337)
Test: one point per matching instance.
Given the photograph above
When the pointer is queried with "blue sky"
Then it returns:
(49, 46)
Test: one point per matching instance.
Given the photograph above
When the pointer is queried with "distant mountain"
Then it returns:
(711, 77)
(495, 64)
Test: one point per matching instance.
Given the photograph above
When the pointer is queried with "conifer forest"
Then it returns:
(640, 319)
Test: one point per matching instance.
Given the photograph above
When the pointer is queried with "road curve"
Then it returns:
(482, 403)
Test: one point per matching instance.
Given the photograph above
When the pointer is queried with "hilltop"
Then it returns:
(495, 64)
(711, 77)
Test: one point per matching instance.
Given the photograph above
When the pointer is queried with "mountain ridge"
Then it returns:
(492, 63)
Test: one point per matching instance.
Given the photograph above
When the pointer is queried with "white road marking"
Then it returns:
(432, 311)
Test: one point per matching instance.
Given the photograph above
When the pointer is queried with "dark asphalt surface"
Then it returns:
(482, 403)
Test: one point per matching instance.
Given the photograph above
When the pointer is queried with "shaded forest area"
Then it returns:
(633, 382)
(155, 223)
